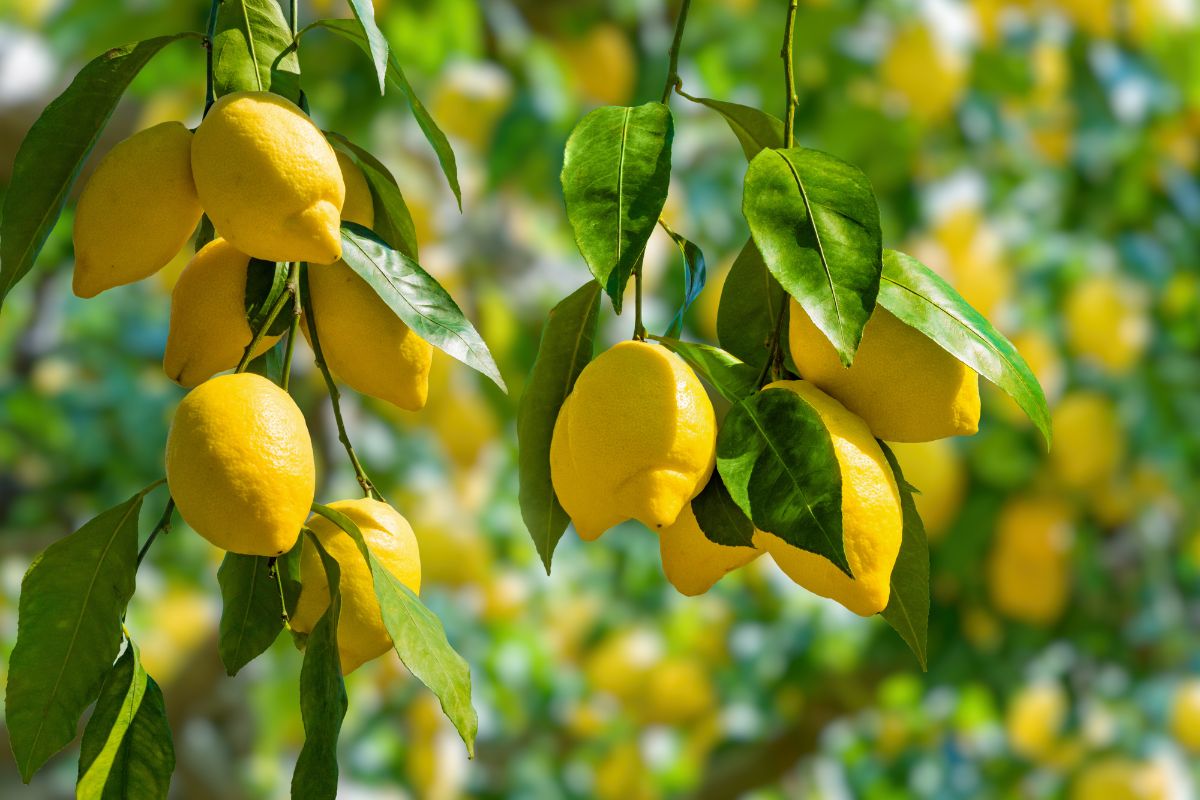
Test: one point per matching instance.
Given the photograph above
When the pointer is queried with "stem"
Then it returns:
(673, 80)
(163, 526)
(293, 289)
(273, 572)
(789, 79)
(334, 395)
(295, 17)
(210, 93)
(276, 309)
(639, 330)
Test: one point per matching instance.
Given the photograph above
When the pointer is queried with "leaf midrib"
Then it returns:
(250, 42)
(621, 182)
(837, 306)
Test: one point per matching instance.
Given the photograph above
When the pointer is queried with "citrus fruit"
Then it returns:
(930, 78)
(1027, 570)
(1089, 442)
(1106, 322)
(693, 562)
(1035, 719)
(359, 206)
(936, 469)
(1185, 715)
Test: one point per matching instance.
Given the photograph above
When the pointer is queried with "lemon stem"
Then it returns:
(276, 310)
(673, 80)
(163, 526)
(293, 286)
(789, 78)
(210, 95)
(639, 330)
(273, 572)
(295, 17)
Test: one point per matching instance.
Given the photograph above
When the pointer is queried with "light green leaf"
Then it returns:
(364, 12)
(908, 605)
(393, 221)
(751, 301)
(266, 282)
(755, 130)
(721, 370)
(252, 50)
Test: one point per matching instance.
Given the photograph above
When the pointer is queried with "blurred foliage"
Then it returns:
(1041, 154)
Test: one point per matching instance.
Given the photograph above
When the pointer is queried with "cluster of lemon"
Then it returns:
(636, 439)
(239, 457)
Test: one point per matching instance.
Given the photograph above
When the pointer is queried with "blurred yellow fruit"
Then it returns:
(136, 211)
(972, 259)
(622, 662)
(691, 561)
(1089, 443)
(904, 386)
(180, 623)
(636, 438)
(268, 180)
(929, 78)
(240, 464)
(359, 206)
(623, 775)
(469, 99)
(1035, 719)
(936, 469)
(1027, 570)
(360, 632)
(1106, 322)
(602, 64)
(1041, 354)
(981, 628)
(452, 556)
(677, 691)
(1185, 715)
(871, 517)
(1119, 778)
(465, 424)
(1096, 18)
(208, 332)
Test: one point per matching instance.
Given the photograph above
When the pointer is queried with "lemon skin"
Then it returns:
(692, 562)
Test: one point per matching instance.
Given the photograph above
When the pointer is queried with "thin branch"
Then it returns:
(293, 285)
(789, 79)
(673, 80)
(163, 526)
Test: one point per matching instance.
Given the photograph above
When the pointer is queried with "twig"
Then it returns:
(163, 526)
(293, 285)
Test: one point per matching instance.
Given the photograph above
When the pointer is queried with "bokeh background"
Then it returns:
(1041, 154)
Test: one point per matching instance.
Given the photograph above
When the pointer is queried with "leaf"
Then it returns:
(322, 696)
(418, 638)
(815, 220)
(266, 282)
(566, 347)
(416, 298)
(252, 610)
(695, 273)
(723, 371)
(252, 50)
(205, 233)
(719, 517)
(908, 606)
(615, 175)
(53, 152)
(777, 461)
(351, 30)
(755, 130)
(68, 631)
(921, 298)
(364, 12)
(127, 749)
(751, 301)
(393, 221)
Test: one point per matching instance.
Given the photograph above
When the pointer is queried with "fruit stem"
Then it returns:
(335, 396)
(273, 571)
(639, 330)
(163, 526)
(789, 78)
(673, 80)
(210, 93)
(276, 310)
(293, 288)
(295, 19)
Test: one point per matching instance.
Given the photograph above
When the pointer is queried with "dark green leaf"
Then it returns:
(723, 371)
(50, 157)
(416, 298)
(719, 517)
(252, 50)
(695, 273)
(815, 220)
(364, 12)
(778, 463)
(252, 608)
(568, 340)
(615, 176)
(755, 130)
(751, 301)
(908, 606)
(921, 298)
(68, 631)
(266, 282)
(205, 233)
(393, 222)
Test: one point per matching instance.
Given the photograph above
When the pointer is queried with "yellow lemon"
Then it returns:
(636, 439)
(1041, 354)
(936, 470)
(693, 562)
(1096, 18)
(137, 210)
(930, 78)
(208, 332)
(1089, 443)
(602, 64)
(620, 664)
(1107, 323)
(359, 205)
(974, 260)
(904, 386)
(622, 774)
(677, 691)
(470, 99)
(361, 633)
(1185, 715)
(268, 180)
(240, 464)
(1119, 778)
(872, 523)
(1035, 719)
(1027, 570)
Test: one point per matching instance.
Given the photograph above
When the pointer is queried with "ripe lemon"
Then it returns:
(693, 562)
(1089, 442)
(361, 633)
(1185, 715)
(677, 691)
(904, 386)
(208, 332)
(637, 438)
(936, 469)
(1120, 778)
(240, 464)
(929, 78)
(268, 179)
(872, 523)
(1027, 570)
(137, 210)
(359, 205)
(601, 64)
(1036, 714)
(1106, 322)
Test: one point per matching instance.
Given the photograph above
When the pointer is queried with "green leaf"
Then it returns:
(393, 222)
(252, 610)
(755, 130)
(416, 298)
(815, 220)
(721, 370)
(252, 50)
(322, 697)
(695, 273)
(364, 12)
(719, 517)
(567, 344)
(127, 749)
(615, 176)
(419, 638)
(52, 153)
(908, 605)
(921, 298)
(778, 463)
(751, 301)
(266, 282)
(68, 631)
(350, 29)
(205, 233)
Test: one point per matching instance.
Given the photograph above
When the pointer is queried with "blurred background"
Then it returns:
(1041, 154)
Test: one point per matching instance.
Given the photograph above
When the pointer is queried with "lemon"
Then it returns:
(693, 562)
(1089, 443)
(208, 332)
(1120, 778)
(621, 663)
(1041, 354)
(622, 774)
(1185, 715)
(1027, 570)
(1035, 718)
(936, 470)
(602, 64)
(904, 386)
(136, 211)
(268, 180)
(1106, 322)
(240, 464)
(359, 206)
(974, 260)
(872, 523)
(677, 691)
(361, 633)
(636, 438)
(929, 78)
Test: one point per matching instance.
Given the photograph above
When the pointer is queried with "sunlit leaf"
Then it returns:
(721, 370)
(751, 301)
(719, 518)
(755, 130)
(252, 50)
(393, 221)
(908, 605)
(364, 12)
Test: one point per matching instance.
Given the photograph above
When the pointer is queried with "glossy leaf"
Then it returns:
(751, 301)
(695, 273)
(921, 298)
(393, 221)
(719, 517)
(908, 606)
(416, 298)
(721, 370)
(252, 50)
(615, 176)
(568, 341)
(816, 223)
(53, 152)
(69, 631)
(364, 12)
(777, 461)
(755, 130)
(252, 611)
(266, 282)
